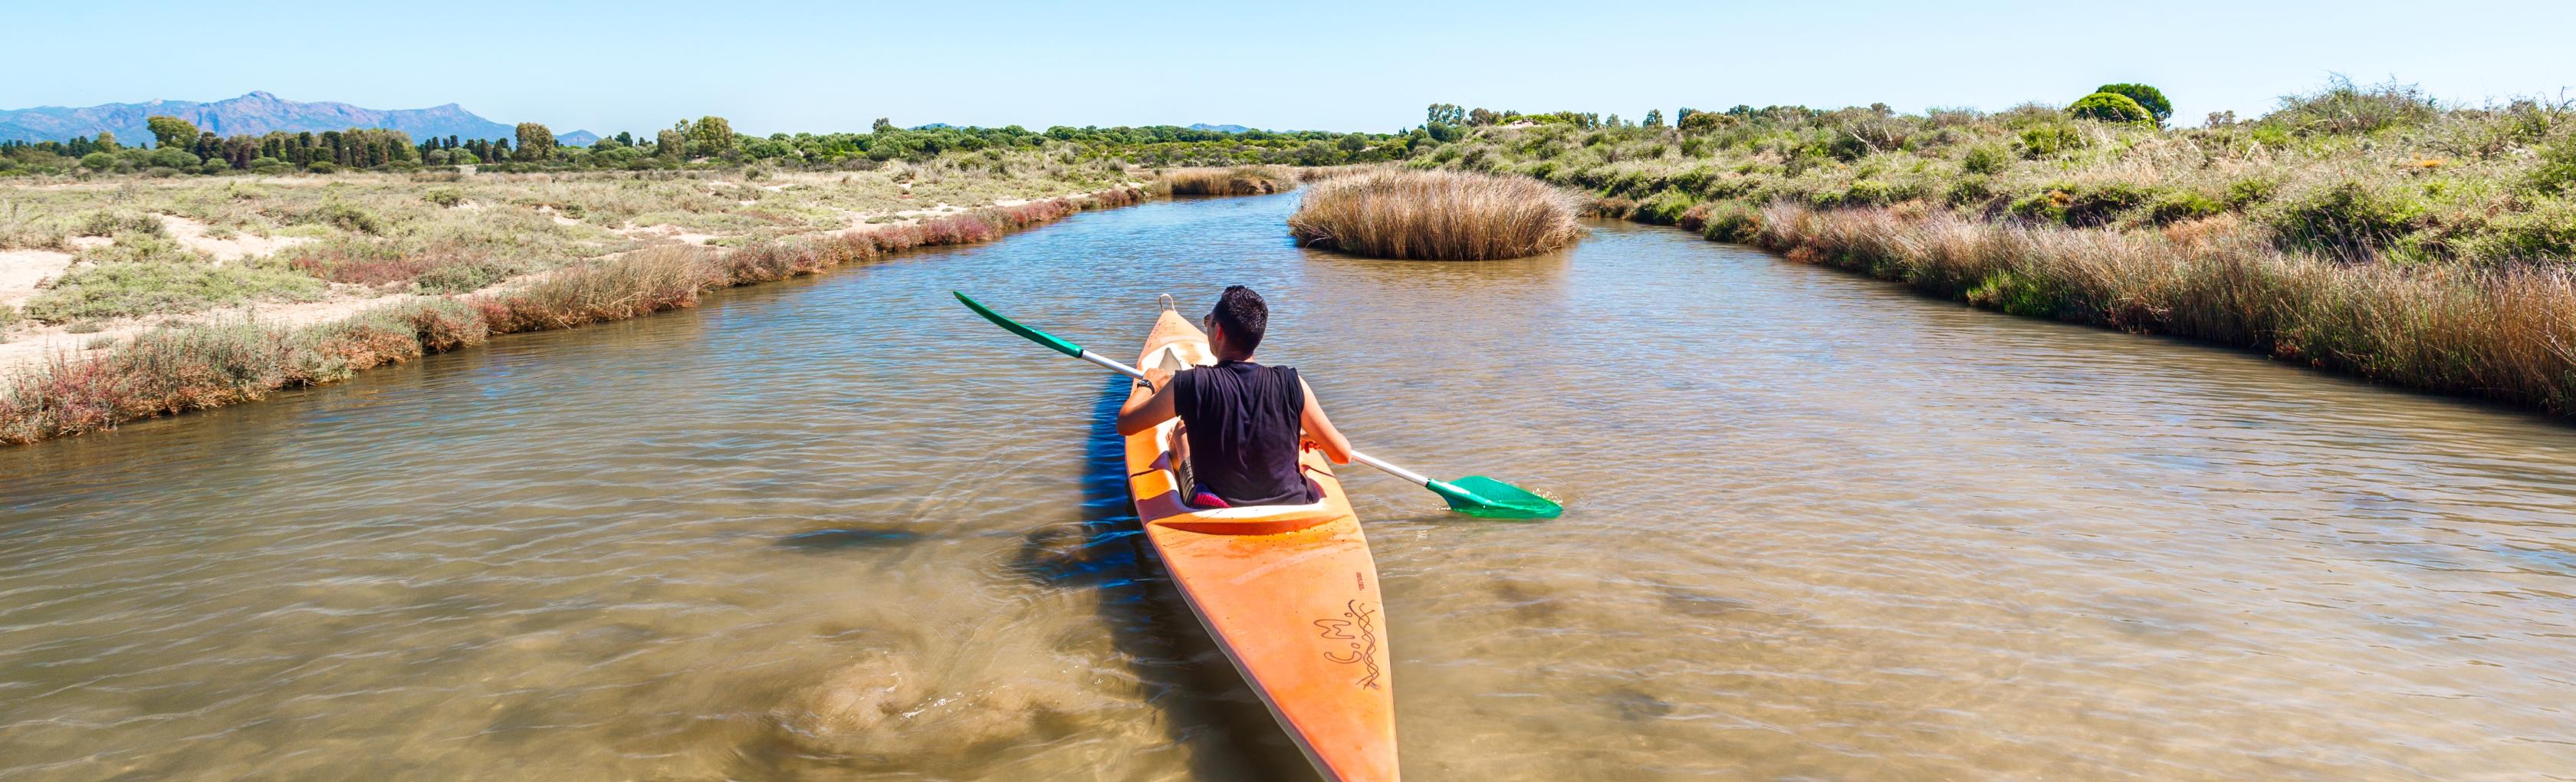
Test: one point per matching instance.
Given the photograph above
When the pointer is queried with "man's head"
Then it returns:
(1235, 326)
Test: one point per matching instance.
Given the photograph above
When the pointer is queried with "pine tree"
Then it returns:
(535, 141)
(170, 132)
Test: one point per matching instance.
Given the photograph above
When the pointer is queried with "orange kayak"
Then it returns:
(1289, 592)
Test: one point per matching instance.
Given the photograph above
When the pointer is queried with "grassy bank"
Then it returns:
(307, 237)
(1429, 215)
(172, 370)
(2359, 229)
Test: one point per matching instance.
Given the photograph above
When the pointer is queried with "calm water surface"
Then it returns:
(839, 528)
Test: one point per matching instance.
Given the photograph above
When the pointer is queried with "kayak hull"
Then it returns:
(1289, 593)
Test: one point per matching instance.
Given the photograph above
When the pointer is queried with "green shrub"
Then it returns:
(2150, 98)
(1863, 192)
(2183, 205)
(2557, 171)
(1985, 160)
(112, 222)
(2343, 107)
(1731, 221)
(1665, 209)
(447, 197)
(321, 167)
(2041, 207)
(268, 165)
(98, 161)
(2018, 294)
(2348, 220)
(461, 277)
(215, 166)
(2545, 234)
(347, 217)
(169, 157)
(2248, 192)
(2051, 138)
(2110, 107)
(2100, 205)
(1968, 190)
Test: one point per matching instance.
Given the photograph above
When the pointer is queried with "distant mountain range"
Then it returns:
(254, 114)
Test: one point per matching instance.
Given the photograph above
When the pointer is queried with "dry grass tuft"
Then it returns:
(1435, 215)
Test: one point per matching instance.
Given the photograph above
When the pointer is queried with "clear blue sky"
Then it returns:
(610, 65)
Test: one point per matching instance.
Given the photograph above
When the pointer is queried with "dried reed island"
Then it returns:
(2365, 229)
(153, 280)
(1435, 215)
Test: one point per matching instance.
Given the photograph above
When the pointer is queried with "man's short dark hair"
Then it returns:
(1243, 315)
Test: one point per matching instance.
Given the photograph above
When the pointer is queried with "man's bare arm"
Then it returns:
(1319, 429)
(1144, 412)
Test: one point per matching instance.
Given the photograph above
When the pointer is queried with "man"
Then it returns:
(1241, 423)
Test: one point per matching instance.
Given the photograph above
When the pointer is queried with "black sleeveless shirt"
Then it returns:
(1242, 422)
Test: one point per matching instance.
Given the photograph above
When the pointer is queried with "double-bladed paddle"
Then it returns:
(1474, 495)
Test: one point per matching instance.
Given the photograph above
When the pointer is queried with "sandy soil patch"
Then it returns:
(21, 270)
(194, 236)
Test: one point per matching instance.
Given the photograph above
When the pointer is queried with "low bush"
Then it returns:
(2109, 107)
(1985, 159)
(2179, 206)
(110, 222)
(1730, 221)
(2153, 100)
(1665, 209)
(2049, 139)
(1969, 191)
(2345, 108)
(2557, 170)
(2542, 235)
(2349, 220)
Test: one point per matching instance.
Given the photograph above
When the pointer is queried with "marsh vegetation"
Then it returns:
(1434, 215)
(2360, 228)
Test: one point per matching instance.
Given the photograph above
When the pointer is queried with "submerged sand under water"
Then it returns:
(840, 528)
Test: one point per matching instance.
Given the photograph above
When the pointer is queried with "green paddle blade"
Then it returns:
(1477, 495)
(1014, 327)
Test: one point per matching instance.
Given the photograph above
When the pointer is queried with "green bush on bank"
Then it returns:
(2109, 107)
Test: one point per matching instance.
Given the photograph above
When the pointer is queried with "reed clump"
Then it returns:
(1239, 180)
(1435, 215)
(172, 370)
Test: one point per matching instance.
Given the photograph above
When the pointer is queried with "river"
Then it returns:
(1817, 527)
